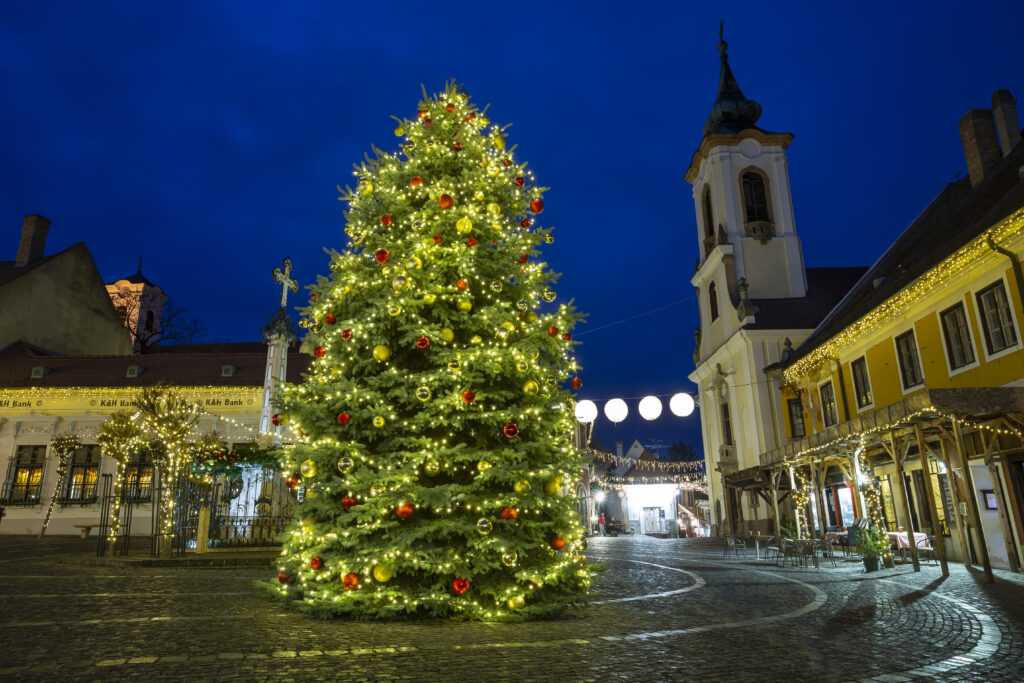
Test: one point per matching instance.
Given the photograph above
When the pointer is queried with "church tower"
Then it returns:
(751, 287)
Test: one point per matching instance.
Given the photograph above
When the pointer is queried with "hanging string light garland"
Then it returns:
(650, 408)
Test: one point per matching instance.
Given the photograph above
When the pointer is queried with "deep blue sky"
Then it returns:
(209, 137)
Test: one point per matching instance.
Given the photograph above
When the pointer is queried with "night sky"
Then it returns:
(209, 137)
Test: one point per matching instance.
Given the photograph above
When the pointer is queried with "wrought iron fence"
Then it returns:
(251, 510)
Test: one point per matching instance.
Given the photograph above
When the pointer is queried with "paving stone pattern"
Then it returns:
(665, 610)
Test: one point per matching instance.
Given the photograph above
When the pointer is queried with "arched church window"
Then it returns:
(713, 301)
(709, 217)
(755, 198)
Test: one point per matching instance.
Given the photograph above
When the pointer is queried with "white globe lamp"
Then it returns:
(681, 405)
(650, 408)
(616, 410)
(586, 411)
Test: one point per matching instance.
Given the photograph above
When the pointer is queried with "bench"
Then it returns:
(86, 528)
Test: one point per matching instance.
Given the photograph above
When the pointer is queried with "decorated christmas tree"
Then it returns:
(435, 457)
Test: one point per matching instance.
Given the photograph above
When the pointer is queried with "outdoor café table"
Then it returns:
(835, 536)
(900, 539)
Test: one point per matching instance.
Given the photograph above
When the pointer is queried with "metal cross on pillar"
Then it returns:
(282, 275)
(278, 333)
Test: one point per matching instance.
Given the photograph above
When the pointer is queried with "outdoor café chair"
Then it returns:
(735, 545)
(772, 549)
(826, 550)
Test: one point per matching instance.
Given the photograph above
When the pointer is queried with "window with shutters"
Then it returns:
(755, 206)
(996, 319)
(713, 301)
(25, 476)
(957, 333)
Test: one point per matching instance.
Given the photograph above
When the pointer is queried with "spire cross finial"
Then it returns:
(140, 263)
(287, 283)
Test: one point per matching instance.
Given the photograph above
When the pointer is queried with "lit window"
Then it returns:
(25, 478)
(996, 319)
(138, 478)
(83, 473)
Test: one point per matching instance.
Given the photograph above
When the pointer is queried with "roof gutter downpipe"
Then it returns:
(1014, 261)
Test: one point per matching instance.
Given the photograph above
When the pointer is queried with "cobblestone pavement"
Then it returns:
(666, 610)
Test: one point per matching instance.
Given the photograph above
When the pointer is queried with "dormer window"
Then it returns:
(38, 371)
(757, 221)
(133, 371)
(227, 370)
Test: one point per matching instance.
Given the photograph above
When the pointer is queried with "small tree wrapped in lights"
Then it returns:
(435, 446)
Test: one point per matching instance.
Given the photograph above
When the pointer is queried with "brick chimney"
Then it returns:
(618, 448)
(33, 238)
(1004, 110)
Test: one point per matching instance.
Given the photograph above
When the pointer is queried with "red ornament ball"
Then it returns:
(284, 578)
(346, 334)
(567, 337)
(314, 296)
(382, 256)
(460, 586)
(385, 219)
(405, 510)
(510, 430)
(536, 206)
(553, 331)
(519, 181)
(347, 503)
(445, 201)
(316, 563)
(275, 419)
(507, 162)
(319, 352)
(428, 122)
(577, 383)
(557, 542)
(422, 343)
(509, 513)
(422, 113)
(457, 145)
(291, 481)
(449, 107)
(524, 257)
(471, 242)
(470, 116)
(468, 396)
(343, 418)
(329, 319)
(525, 222)
(437, 239)
(350, 582)
(416, 181)
(462, 283)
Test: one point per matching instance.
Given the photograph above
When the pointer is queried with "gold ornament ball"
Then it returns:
(307, 468)
(478, 195)
(530, 317)
(378, 422)
(521, 486)
(553, 486)
(429, 298)
(495, 286)
(423, 394)
(447, 335)
(483, 526)
(386, 270)
(394, 309)
(364, 187)
(549, 238)
(310, 493)
(497, 368)
(308, 521)
(493, 208)
(431, 467)
(382, 573)
(522, 366)
(476, 339)
(522, 304)
(464, 305)
(531, 388)
(453, 364)
(336, 372)
(283, 418)
(548, 294)
(516, 603)
(399, 132)
(399, 282)
(381, 352)
(345, 463)
(534, 352)
(499, 143)
(464, 225)
(413, 263)
(509, 558)
(483, 466)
